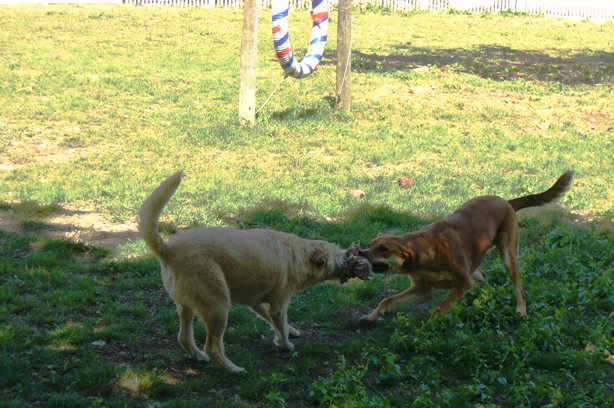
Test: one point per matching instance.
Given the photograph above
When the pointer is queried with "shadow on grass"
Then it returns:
(81, 330)
(494, 62)
(293, 113)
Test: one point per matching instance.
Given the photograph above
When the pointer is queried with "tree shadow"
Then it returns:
(293, 114)
(499, 63)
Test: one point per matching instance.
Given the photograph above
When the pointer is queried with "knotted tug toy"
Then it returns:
(355, 266)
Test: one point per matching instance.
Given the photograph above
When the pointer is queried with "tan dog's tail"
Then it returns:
(558, 189)
(150, 213)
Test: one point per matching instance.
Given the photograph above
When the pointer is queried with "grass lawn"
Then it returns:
(98, 104)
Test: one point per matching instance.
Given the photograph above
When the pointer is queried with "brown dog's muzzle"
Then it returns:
(377, 267)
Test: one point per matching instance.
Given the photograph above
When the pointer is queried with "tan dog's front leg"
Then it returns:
(279, 318)
(262, 310)
(413, 295)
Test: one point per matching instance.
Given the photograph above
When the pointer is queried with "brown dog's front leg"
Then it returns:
(413, 295)
(456, 293)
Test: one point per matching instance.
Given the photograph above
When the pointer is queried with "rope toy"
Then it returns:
(281, 38)
(354, 265)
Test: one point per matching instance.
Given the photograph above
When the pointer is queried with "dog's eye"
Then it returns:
(383, 248)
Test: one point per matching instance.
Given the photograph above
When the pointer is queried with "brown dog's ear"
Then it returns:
(319, 256)
(408, 256)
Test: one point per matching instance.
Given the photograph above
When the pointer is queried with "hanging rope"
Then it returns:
(281, 38)
(271, 95)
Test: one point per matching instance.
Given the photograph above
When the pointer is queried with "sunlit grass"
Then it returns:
(467, 105)
(136, 383)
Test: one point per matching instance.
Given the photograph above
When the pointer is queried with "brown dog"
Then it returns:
(446, 253)
(205, 270)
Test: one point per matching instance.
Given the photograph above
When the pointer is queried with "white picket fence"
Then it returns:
(598, 10)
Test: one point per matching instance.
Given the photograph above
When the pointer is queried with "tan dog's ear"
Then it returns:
(319, 256)
(354, 249)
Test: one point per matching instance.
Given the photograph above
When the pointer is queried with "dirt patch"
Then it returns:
(77, 223)
(44, 147)
(598, 121)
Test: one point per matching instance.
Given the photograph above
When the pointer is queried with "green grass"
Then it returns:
(100, 103)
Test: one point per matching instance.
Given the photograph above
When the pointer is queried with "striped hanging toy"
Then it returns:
(281, 38)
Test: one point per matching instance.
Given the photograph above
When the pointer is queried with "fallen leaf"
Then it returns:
(406, 182)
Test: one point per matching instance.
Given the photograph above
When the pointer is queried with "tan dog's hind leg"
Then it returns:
(414, 295)
(186, 333)
(211, 301)
(216, 320)
(262, 310)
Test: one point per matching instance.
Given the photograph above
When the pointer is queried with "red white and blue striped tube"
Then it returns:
(281, 38)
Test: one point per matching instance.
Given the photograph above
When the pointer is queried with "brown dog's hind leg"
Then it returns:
(414, 295)
(511, 263)
(509, 249)
(509, 255)
(186, 333)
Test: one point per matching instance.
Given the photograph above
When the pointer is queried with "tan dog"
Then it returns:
(204, 270)
(446, 253)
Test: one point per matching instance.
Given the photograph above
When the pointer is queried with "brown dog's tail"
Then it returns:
(558, 189)
(150, 213)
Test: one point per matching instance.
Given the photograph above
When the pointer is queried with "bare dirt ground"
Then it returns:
(75, 223)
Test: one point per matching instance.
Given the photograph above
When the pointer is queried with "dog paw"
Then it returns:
(479, 275)
(367, 321)
(292, 332)
(237, 370)
(288, 345)
(201, 356)
(230, 366)
(522, 311)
